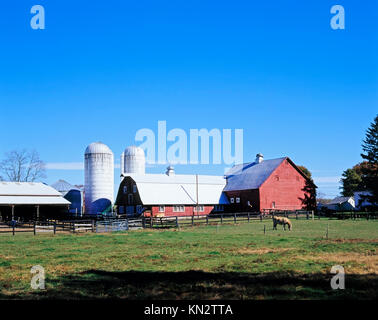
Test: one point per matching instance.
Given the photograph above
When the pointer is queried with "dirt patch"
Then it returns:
(350, 241)
(353, 262)
(263, 250)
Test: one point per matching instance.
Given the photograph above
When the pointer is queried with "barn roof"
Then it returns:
(160, 189)
(339, 200)
(63, 186)
(250, 175)
(29, 193)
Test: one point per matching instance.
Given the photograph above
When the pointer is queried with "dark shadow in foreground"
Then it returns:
(98, 284)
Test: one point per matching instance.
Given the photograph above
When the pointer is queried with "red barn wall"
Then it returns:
(189, 210)
(284, 187)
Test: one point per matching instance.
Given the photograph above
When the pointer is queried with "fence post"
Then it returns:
(296, 215)
(127, 223)
(207, 220)
(307, 215)
(222, 218)
(264, 228)
(144, 222)
(248, 216)
(13, 227)
(312, 213)
(34, 228)
(192, 220)
(261, 216)
(93, 226)
(54, 227)
(177, 223)
(73, 227)
(234, 217)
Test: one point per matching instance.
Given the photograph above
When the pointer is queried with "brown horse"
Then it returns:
(282, 220)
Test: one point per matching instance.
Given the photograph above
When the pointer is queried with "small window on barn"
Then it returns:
(124, 189)
(273, 204)
(130, 199)
(200, 208)
(232, 200)
(218, 208)
(237, 200)
(134, 188)
(277, 178)
(161, 208)
(178, 208)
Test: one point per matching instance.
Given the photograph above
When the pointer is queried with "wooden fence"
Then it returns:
(110, 225)
(178, 222)
(54, 227)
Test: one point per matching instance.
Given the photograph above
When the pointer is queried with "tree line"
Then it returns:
(364, 175)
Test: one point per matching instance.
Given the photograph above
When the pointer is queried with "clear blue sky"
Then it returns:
(101, 70)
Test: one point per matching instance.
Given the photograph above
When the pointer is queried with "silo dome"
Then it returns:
(99, 178)
(98, 147)
(134, 160)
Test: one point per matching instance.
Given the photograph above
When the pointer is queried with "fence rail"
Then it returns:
(111, 225)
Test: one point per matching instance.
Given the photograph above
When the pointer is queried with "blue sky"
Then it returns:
(101, 70)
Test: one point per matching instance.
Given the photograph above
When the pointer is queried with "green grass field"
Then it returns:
(205, 262)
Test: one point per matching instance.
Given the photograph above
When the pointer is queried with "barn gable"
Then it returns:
(253, 175)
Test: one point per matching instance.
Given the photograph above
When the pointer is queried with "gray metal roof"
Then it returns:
(339, 200)
(250, 175)
(63, 186)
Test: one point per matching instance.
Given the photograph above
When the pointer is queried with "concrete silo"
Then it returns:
(99, 178)
(135, 161)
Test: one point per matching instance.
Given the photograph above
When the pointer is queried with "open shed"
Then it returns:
(30, 200)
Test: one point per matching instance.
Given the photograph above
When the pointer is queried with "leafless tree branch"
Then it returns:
(22, 166)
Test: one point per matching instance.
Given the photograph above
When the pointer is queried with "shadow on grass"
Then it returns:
(98, 284)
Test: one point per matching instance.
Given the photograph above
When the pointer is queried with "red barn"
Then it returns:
(170, 194)
(276, 184)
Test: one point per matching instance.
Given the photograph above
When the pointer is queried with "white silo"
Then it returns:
(122, 166)
(135, 161)
(99, 178)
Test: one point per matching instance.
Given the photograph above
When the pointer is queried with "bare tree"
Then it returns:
(22, 166)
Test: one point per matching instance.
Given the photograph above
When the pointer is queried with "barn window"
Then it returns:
(277, 178)
(178, 208)
(237, 200)
(125, 189)
(273, 204)
(218, 208)
(130, 199)
(232, 200)
(134, 188)
(200, 208)
(161, 208)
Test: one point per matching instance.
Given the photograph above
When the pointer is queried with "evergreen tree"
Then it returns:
(351, 182)
(309, 191)
(370, 154)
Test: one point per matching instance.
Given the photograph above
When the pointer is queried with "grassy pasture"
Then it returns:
(205, 262)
